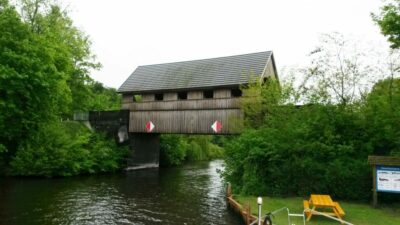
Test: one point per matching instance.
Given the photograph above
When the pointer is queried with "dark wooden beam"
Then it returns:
(384, 160)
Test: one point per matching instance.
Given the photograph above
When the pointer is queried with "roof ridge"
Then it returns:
(194, 60)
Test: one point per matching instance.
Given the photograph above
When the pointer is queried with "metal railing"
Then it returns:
(289, 215)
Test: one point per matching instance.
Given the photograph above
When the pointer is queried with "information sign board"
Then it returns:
(388, 179)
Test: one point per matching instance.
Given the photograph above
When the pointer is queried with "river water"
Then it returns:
(191, 194)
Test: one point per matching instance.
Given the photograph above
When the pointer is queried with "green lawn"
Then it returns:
(358, 214)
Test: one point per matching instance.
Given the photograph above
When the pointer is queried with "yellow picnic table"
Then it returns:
(325, 203)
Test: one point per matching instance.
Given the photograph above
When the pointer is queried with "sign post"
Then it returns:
(386, 175)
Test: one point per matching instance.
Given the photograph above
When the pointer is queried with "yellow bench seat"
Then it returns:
(339, 209)
(306, 205)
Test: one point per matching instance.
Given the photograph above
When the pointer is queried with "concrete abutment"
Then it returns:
(144, 151)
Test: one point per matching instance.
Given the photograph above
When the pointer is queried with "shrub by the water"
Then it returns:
(308, 150)
(172, 150)
(66, 149)
(175, 149)
(314, 148)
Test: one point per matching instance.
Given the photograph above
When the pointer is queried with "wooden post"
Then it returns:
(229, 190)
(248, 214)
(374, 191)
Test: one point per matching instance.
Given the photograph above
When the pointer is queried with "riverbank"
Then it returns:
(356, 213)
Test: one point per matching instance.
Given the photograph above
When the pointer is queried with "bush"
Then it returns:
(195, 152)
(382, 111)
(315, 149)
(172, 150)
(175, 149)
(66, 149)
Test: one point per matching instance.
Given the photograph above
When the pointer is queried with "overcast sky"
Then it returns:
(128, 33)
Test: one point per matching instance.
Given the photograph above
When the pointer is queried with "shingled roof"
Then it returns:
(198, 74)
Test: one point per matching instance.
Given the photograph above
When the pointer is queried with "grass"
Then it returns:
(356, 213)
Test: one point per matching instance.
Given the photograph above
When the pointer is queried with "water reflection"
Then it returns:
(193, 194)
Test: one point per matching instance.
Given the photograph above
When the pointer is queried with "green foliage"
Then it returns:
(382, 112)
(172, 150)
(202, 148)
(137, 98)
(389, 22)
(258, 101)
(102, 98)
(32, 89)
(175, 149)
(45, 63)
(2, 149)
(315, 148)
(66, 149)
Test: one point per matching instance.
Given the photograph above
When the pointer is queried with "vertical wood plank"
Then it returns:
(375, 193)
(222, 93)
(195, 95)
(148, 97)
(171, 96)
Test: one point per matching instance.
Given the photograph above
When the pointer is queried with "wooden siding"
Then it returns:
(195, 95)
(222, 103)
(222, 93)
(384, 160)
(170, 96)
(148, 97)
(194, 115)
(269, 70)
(127, 98)
(185, 121)
(125, 105)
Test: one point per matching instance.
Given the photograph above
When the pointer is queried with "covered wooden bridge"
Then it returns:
(190, 97)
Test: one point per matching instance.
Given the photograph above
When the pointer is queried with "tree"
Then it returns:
(45, 62)
(382, 111)
(72, 47)
(102, 98)
(32, 89)
(389, 22)
(75, 57)
(338, 71)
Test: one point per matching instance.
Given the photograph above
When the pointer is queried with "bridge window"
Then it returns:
(236, 93)
(182, 95)
(208, 94)
(159, 97)
(265, 79)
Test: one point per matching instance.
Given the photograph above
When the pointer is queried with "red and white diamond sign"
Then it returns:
(217, 126)
(150, 126)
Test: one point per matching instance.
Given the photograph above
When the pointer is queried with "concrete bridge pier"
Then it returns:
(145, 151)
